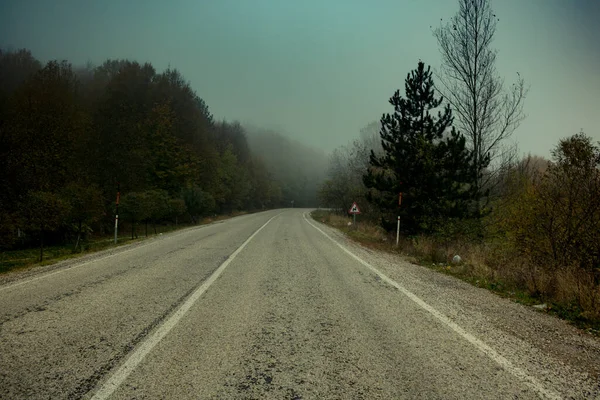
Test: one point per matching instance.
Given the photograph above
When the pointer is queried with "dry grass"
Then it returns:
(574, 287)
(570, 294)
(363, 231)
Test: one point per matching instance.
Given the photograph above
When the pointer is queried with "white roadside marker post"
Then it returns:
(398, 232)
(398, 225)
(117, 212)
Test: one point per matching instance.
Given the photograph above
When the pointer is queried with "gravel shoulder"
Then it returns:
(560, 355)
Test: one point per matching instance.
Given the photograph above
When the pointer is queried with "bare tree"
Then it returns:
(487, 112)
(347, 165)
(370, 139)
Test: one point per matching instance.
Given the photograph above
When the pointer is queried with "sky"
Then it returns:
(320, 70)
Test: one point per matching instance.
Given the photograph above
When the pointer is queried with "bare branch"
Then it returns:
(488, 114)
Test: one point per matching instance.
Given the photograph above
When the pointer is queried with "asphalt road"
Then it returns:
(275, 305)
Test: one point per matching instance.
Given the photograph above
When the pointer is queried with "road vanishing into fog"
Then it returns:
(275, 305)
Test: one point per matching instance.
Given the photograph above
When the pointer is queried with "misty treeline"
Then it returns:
(71, 136)
(529, 223)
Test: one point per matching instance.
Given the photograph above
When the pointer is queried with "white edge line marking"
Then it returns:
(42, 275)
(72, 267)
(532, 382)
(147, 345)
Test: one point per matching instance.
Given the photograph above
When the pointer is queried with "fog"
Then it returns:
(292, 81)
(322, 70)
(300, 167)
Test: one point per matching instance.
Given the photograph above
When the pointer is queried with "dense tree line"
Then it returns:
(71, 137)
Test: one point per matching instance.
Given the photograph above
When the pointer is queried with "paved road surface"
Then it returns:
(276, 306)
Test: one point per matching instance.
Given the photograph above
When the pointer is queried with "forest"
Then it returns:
(71, 138)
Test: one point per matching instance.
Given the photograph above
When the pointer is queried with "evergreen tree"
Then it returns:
(424, 158)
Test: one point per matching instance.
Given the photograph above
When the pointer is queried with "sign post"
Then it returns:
(354, 210)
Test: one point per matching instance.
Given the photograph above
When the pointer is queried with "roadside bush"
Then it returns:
(132, 206)
(176, 209)
(43, 212)
(555, 222)
(547, 224)
(86, 207)
(198, 202)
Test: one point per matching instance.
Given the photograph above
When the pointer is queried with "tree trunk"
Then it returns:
(146, 228)
(154, 225)
(78, 236)
(41, 245)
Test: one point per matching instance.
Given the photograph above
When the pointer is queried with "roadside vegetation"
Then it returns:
(71, 138)
(22, 257)
(524, 227)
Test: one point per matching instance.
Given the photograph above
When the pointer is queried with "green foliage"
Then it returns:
(424, 158)
(198, 202)
(134, 209)
(43, 211)
(86, 207)
(147, 206)
(8, 226)
(563, 228)
(176, 207)
(156, 203)
(233, 183)
(171, 164)
(42, 123)
(86, 202)
(74, 134)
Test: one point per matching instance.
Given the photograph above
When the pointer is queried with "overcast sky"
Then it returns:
(322, 69)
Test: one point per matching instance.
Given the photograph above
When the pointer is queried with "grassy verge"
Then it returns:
(485, 265)
(26, 258)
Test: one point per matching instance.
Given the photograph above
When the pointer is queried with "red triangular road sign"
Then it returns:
(354, 209)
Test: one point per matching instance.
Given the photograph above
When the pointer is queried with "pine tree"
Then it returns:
(424, 158)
